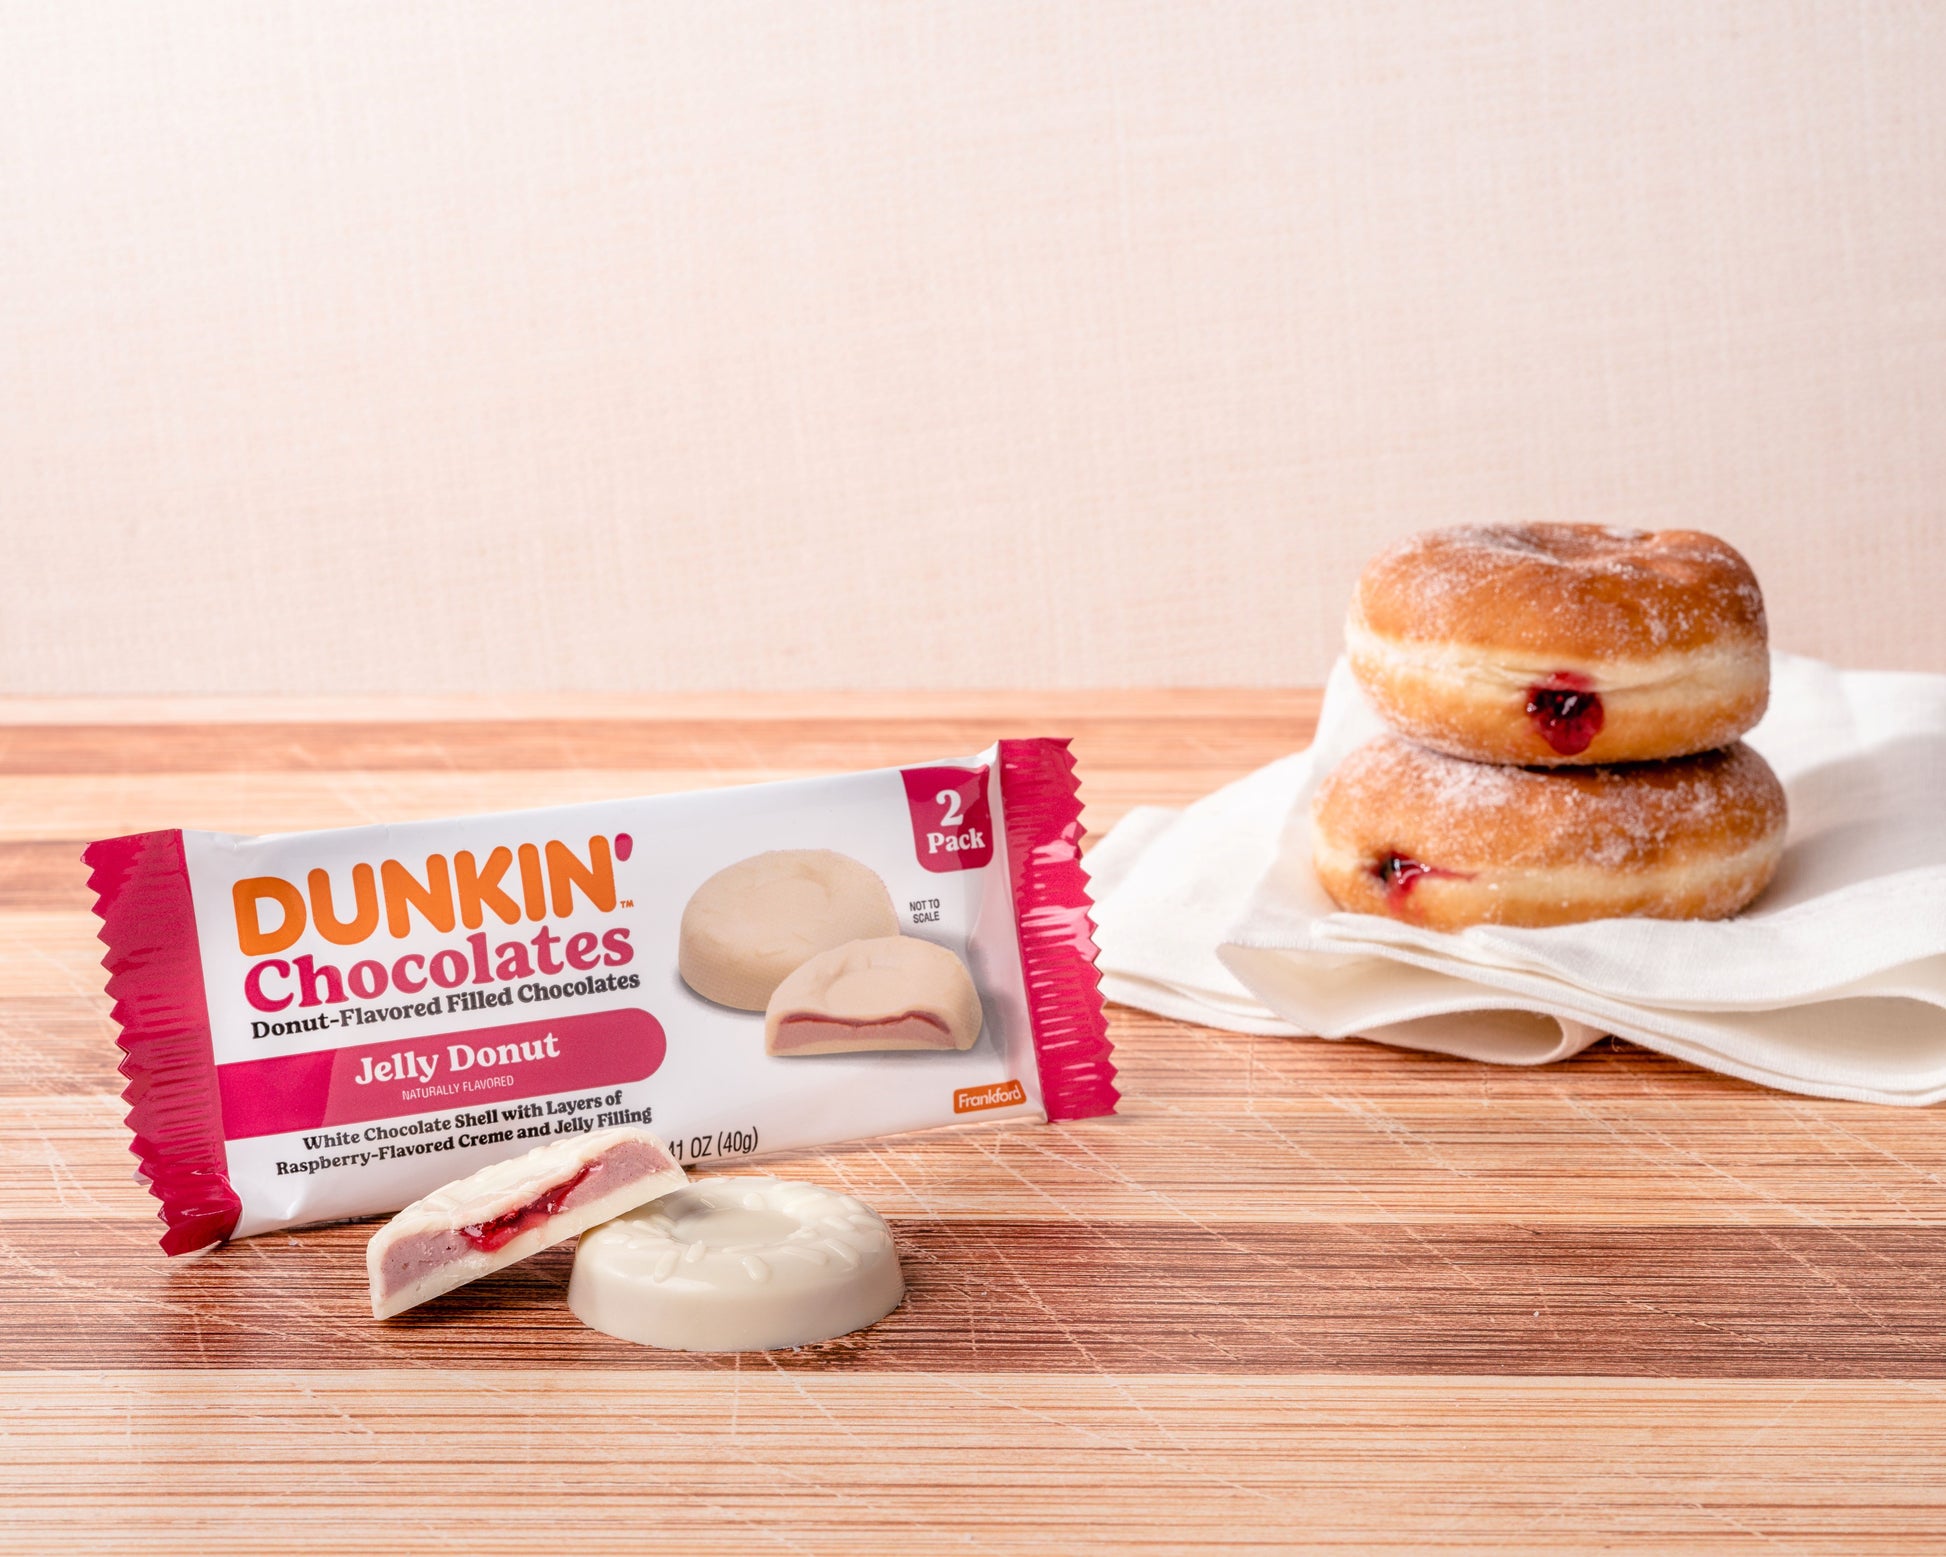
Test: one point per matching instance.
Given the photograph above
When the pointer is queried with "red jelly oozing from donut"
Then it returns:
(509, 1225)
(1566, 712)
(1399, 873)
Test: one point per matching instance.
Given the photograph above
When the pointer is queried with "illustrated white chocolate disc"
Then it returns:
(755, 921)
(892, 992)
(737, 1265)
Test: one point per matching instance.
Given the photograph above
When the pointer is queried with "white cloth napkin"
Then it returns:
(1834, 983)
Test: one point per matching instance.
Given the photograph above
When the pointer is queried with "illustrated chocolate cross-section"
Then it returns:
(510, 1210)
(890, 992)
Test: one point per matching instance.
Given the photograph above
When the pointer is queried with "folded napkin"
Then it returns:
(1833, 983)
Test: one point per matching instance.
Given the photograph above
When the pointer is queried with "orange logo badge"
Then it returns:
(1003, 1094)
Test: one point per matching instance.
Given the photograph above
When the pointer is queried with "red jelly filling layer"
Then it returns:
(1566, 712)
(1399, 873)
(509, 1225)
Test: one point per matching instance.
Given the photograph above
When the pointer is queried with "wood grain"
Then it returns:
(758, 1460)
(1297, 1296)
(1034, 1295)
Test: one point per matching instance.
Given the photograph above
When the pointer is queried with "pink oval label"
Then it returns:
(430, 1074)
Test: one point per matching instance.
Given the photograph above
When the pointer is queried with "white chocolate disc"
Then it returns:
(892, 992)
(753, 922)
(737, 1265)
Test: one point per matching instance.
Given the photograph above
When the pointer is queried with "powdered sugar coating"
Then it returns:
(1390, 795)
(1581, 594)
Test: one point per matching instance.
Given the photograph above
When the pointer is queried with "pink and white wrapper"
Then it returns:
(295, 1056)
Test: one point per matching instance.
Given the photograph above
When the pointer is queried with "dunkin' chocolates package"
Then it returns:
(331, 1024)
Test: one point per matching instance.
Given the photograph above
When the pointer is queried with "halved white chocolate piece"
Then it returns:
(511, 1209)
(753, 922)
(893, 992)
(737, 1265)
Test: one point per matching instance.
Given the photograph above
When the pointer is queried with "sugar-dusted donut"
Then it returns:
(1445, 843)
(755, 922)
(1562, 643)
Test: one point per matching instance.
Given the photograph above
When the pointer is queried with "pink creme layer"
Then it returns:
(1567, 712)
(411, 1258)
(917, 1028)
(1400, 873)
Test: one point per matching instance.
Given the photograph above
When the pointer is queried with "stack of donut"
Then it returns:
(1566, 702)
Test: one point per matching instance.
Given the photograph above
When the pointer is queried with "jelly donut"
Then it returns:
(1548, 644)
(1445, 843)
(756, 921)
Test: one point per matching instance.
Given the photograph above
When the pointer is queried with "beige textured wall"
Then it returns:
(411, 346)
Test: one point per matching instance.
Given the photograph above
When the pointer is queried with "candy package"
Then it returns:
(327, 1025)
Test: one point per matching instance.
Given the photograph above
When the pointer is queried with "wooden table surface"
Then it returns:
(1298, 1295)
